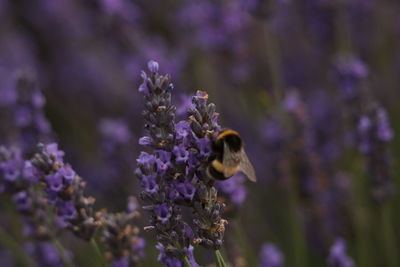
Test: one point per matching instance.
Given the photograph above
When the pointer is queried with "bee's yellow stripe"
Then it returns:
(227, 132)
(227, 171)
(218, 165)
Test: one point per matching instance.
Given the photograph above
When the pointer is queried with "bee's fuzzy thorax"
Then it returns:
(225, 133)
(231, 138)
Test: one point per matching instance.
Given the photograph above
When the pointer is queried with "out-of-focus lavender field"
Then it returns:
(103, 155)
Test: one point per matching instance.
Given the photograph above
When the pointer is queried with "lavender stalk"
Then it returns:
(375, 134)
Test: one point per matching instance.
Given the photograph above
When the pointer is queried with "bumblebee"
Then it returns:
(229, 157)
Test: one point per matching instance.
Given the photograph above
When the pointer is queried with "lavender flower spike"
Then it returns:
(157, 173)
(173, 174)
(375, 134)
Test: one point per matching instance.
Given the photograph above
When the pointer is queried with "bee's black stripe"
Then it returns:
(216, 174)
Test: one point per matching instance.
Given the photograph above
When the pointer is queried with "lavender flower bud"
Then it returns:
(271, 256)
(337, 255)
(153, 66)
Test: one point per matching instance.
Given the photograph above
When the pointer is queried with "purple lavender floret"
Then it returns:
(22, 201)
(172, 174)
(149, 184)
(65, 192)
(11, 166)
(271, 256)
(181, 153)
(183, 106)
(167, 260)
(186, 190)
(375, 135)
(338, 256)
(153, 66)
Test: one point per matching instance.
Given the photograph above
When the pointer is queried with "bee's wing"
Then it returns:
(246, 167)
(230, 161)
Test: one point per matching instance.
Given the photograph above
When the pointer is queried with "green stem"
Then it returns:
(19, 254)
(220, 259)
(297, 237)
(249, 253)
(298, 242)
(388, 236)
(274, 63)
(217, 259)
(361, 218)
(186, 262)
(96, 248)
(61, 252)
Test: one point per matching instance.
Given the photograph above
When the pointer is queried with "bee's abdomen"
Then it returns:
(214, 173)
(220, 172)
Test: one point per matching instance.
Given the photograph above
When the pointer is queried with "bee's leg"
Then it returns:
(210, 183)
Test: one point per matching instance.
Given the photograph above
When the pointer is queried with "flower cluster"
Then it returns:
(120, 237)
(209, 225)
(65, 191)
(375, 133)
(18, 181)
(44, 185)
(173, 175)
